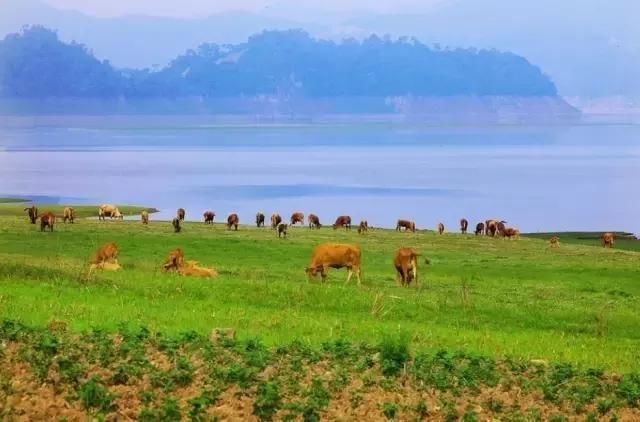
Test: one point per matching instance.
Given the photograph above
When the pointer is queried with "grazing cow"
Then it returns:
(191, 269)
(260, 219)
(176, 225)
(232, 221)
(363, 227)
(106, 210)
(500, 227)
(282, 230)
(479, 228)
(208, 217)
(105, 253)
(68, 214)
(275, 220)
(406, 225)
(342, 221)
(554, 242)
(440, 228)
(181, 213)
(510, 232)
(144, 215)
(32, 212)
(335, 255)
(491, 227)
(297, 217)
(174, 260)
(117, 214)
(607, 240)
(48, 219)
(314, 221)
(464, 225)
(406, 263)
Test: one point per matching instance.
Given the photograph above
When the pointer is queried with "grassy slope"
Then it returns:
(577, 303)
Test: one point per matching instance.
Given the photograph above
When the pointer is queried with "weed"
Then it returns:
(170, 410)
(95, 396)
(267, 401)
(470, 415)
(628, 389)
(394, 353)
(389, 410)
(421, 409)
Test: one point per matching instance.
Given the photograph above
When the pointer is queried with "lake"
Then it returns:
(538, 178)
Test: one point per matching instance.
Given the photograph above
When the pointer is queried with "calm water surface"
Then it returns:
(537, 178)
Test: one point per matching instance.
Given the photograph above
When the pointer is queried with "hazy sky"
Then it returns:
(197, 8)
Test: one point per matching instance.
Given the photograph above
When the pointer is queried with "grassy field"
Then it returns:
(495, 297)
(15, 207)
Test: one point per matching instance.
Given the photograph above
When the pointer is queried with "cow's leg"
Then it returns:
(349, 274)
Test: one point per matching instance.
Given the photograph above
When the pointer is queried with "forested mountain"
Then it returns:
(36, 64)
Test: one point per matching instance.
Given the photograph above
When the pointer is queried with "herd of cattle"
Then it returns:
(323, 257)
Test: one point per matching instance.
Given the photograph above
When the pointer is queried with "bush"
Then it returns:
(394, 353)
(95, 396)
(267, 401)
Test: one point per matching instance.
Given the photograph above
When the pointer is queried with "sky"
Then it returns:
(198, 8)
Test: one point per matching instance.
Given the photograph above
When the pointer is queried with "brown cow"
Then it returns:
(260, 219)
(105, 253)
(491, 227)
(68, 214)
(363, 227)
(406, 263)
(48, 219)
(464, 225)
(176, 225)
(554, 242)
(335, 255)
(440, 228)
(181, 214)
(208, 217)
(406, 225)
(608, 240)
(32, 212)
(232, 221)
(314, 221)
(479, 228)
(144, 215)
(297, 217)
(510, 232)
(282, 230)
(191, 269)
(343, 221)
(275, 220)
(106, 210)
(174, 260)
(500, 228)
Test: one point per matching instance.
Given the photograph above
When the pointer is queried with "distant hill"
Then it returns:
(36, 64)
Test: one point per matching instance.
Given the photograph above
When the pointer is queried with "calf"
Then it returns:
(343, 221)
(174, 260)
(48, 219)
(607, 240)
(68, 214)
(282, 230)
(406, 263)
(510, 232)
(297, 217)
(363, 227)
(314, 221)
(464, 225)
(106, 257)
(335, 255)
(181, 213)
(232, 221)
(275, 220)
(479, 228)
(406, 225)
(176, 225)
(208, 217)
(32, 212)
(144, 215)
(440, 228)
(260, 219)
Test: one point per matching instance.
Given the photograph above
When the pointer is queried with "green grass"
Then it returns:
(623, 240)
(10, 200)
(9, 208)
(495, 297)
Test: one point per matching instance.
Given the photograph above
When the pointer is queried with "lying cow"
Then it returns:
(181, 213)
(479, 228)
(335, 255)
(510, 233)
(48, 219)
(314, 221)
(607, 240)
(260, 219)
(342, 221)
(363, 227)
(208, 217)
(144, 215)
(32, 212)
(406, 263)
(232, 221)
(464, 225)
(275, 220)
(282, 230)
(554, 242)
(191, 269)
(297, 217)
(406, 225)
(440, 228)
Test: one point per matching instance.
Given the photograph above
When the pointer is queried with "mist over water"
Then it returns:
(537, 178)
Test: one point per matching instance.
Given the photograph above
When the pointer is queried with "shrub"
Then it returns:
(394, 353)
(267, 401)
